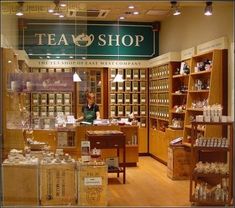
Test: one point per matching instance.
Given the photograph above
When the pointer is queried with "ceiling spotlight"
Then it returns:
(71, 57)
(131, 7)
(61, 15)
(50, 10)
(83, 58)
(208, 9)
(63, 4)
(56, 13)
(57, 57)
(20, 9)
(48, 57)
(136, 13)
(175, 8)
(121, 18)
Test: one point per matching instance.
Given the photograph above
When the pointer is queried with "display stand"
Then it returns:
(211, 178)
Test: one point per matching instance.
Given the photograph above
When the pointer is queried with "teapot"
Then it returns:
(83, 40)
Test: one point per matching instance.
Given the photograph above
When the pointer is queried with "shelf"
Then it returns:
(132, 145)
(159, 78)
(162, 105)
(190, 127)
(45, 105)
(211, 175)
(197, 148)
(126, 92)
(115, 170)
(195, 109)
(163, 119)
(179, 94)
(158, 92)
(173, 111)
(180, 76)
(199, 91)
(127, 104)
(201, 72)
(213, 123)
(186, 144)
(208, 201)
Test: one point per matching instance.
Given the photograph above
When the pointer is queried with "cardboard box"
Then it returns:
(58, 184)
(20, 185)
(178, 164)
(92, 185)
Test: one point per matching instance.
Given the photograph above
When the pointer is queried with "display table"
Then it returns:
(110, 140)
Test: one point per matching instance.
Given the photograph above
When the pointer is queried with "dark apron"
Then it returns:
(89, 116)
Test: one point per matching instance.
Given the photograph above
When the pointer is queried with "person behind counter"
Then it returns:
(91, 110)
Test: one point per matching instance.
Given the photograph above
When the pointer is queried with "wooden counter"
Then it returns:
(52, 138)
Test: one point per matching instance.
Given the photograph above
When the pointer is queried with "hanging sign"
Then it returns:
(64, 40)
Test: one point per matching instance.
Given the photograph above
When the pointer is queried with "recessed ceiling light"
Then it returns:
(9, 61)
(61, 16)
(50, 10)
(83, 57)
(56, 13)
(121, 18)
(136, 13)
(48, 57)
(57, 57)
(30, 54)
(71, 57)
(131, 7)
(63, 4)
(19, 13)
(40, 57)
(48, 54)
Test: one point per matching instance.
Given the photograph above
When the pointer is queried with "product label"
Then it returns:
(93, 181)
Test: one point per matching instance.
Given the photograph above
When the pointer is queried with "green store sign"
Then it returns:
(66, 40)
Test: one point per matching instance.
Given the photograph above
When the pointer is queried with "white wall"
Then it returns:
(9, 31)
(192, 28)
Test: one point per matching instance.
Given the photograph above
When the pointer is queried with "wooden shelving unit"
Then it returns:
(130, 96)
(160, 109)
(211, 90)
(212, 179)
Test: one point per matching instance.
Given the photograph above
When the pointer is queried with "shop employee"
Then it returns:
(91, 110)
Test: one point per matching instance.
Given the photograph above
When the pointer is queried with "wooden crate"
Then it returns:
(92, 185)
(20, 184)
(178, 165)
(58, 184)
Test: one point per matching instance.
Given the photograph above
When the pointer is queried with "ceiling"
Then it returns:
(102, 10)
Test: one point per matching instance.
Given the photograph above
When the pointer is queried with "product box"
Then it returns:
(120, 98)
(120, 110)
(113, 73)
(135, 110)
(58, 184)
(67, 98)
(121, 72)
(143, 98)
(143, 122)
(127, 110)
(59, 98)
(67, 110)
(43, 70)
(142, 86)
(178, 164)
(20, 185)
(35, 99)
(127, 86)
(113, 98)
(135, 73)
(135, 86)
(58, 70)
(113, 111)
(43, 111)
(67, 70)
(113, 86)
(142, 73)
(120, 86)
(51, 97)
(51, 70)
(135, 98)
(43, 99)
(59, 109)
(128, 73)
(51, 111)
(47, 123)
(142, 110)
(92, 184)
(127, 98)
(35, 111)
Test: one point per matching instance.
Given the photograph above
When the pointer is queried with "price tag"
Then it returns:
(113, 100)
(128, 88)
(120, 100)
(67, 101)
(51, 113)
(127, 100)
(143, 100)
(93, 181)
(113, 88)
(47, 126)
(59, 101)
(143, 112)
(43, 113)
